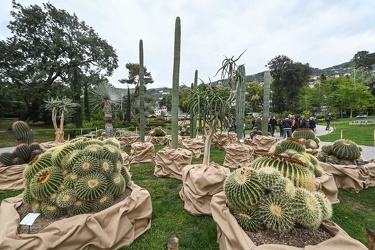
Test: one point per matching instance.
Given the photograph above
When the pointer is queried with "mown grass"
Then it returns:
(354, 213)
(360, 134)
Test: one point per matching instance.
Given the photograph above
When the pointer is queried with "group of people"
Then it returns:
(291, 123)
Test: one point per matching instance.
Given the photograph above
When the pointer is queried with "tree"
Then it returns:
(364, 59)
(106, 96)
(288, 77)
(254, 96)
(47, 44)
(134, 78)
(59, 108)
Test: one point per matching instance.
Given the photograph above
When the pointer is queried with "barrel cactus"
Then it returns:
(249, 220)
(305, 133)
(23, 153)
(346, 149)
(78, 177)
(157, 131)
(22, 132)
(243, 189)
(293, 143)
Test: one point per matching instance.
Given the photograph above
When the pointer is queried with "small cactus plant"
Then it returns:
(22, 132)
(23, 153)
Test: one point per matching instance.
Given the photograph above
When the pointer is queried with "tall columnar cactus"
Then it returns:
(193, 118)
(176, 79)
(240, 100)
(142, 121)
(266, 101)
(74, 179)
(22, 132)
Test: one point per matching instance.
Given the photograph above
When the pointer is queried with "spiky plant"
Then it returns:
(293, 143)
(79, 207)
(86, 165)
(243, 189)
(276, 213)
(91, 187)
(22, 132)
(307, 209)
(66, 198)
(249, 220)
(305, 133)
(325, 205)
(51, 210)
(346, 149)
(45, 182)
(103, 202)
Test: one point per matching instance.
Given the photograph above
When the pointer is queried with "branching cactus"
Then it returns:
(22, 132)
(78, 177)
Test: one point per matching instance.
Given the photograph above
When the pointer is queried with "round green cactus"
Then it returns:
(276, 213)
(46, 182)
(309, 143)
(6, 158)
(70, 179)
(79, 207)
(86, 165)
(268, 176)
(60, 152)
(291, 168)
(327, 149)
(50, 210)
(107, 167)
(276, 148)
(18, 160)
(293, 143)
(243, 189)
(66, 198)
(325, 205)
(116, 184)
(36, 206)
(322, 156)
(94, 150)
(307, 209)
(248, 220)
(103, 202)
(38, 163)
(112, 141)
(318, 170)
(90, 187)
(332, 159)
(126, 174)
(35, 146)
(68, 161)
(111, 152)
(305, 133)
(283, 188)
(26, 196)
(346, 149)
(23, 151)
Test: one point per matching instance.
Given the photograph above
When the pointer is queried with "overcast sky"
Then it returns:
(320, 32)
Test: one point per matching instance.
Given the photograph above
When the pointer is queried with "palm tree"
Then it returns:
(105, 95)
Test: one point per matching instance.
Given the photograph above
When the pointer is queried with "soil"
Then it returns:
(41, 221)
(297, 237)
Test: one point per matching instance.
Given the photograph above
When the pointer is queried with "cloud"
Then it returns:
(322, 33)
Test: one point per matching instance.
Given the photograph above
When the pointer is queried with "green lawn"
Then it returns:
(354, 213)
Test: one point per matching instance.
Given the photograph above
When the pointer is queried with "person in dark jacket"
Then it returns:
(328, 120)
(273, 124)
(287, 126)
(312, 123)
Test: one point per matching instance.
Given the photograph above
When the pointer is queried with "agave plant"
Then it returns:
(105, 95)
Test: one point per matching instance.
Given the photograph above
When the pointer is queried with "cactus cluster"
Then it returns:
(23, 153)
(264, 197)
(23, 133)
(78, 177)
(157, 131)
(307, 136)
(342, 152)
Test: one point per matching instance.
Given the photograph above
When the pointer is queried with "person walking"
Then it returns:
(328, 120)
(287, 127)
(312, 124)
(273, 124)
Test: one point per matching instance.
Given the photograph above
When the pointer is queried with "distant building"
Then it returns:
(159, 111)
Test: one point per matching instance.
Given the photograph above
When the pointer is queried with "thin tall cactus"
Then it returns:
(141, 94)
(193, 118)
(266, 98)
(175, 87)
(240, 100)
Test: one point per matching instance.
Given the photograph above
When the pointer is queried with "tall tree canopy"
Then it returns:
(47, 47)
(288, 77)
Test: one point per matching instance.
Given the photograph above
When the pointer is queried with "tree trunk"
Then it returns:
(175, 87)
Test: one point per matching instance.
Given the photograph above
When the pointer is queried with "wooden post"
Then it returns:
(173, 243)
(341, 133)
(371, 238)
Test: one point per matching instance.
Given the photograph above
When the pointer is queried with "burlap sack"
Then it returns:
(221, 139)
(195, 145)
(170, 162)
(11, 177)
(352, 178)
(142, 152)
(112, 228)
(127, 141)
(126, 159)
(159, 140)
(238, 155)
(231, 236)
(199, 184)
(262, 144)
(47, 145)
(326, 184)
